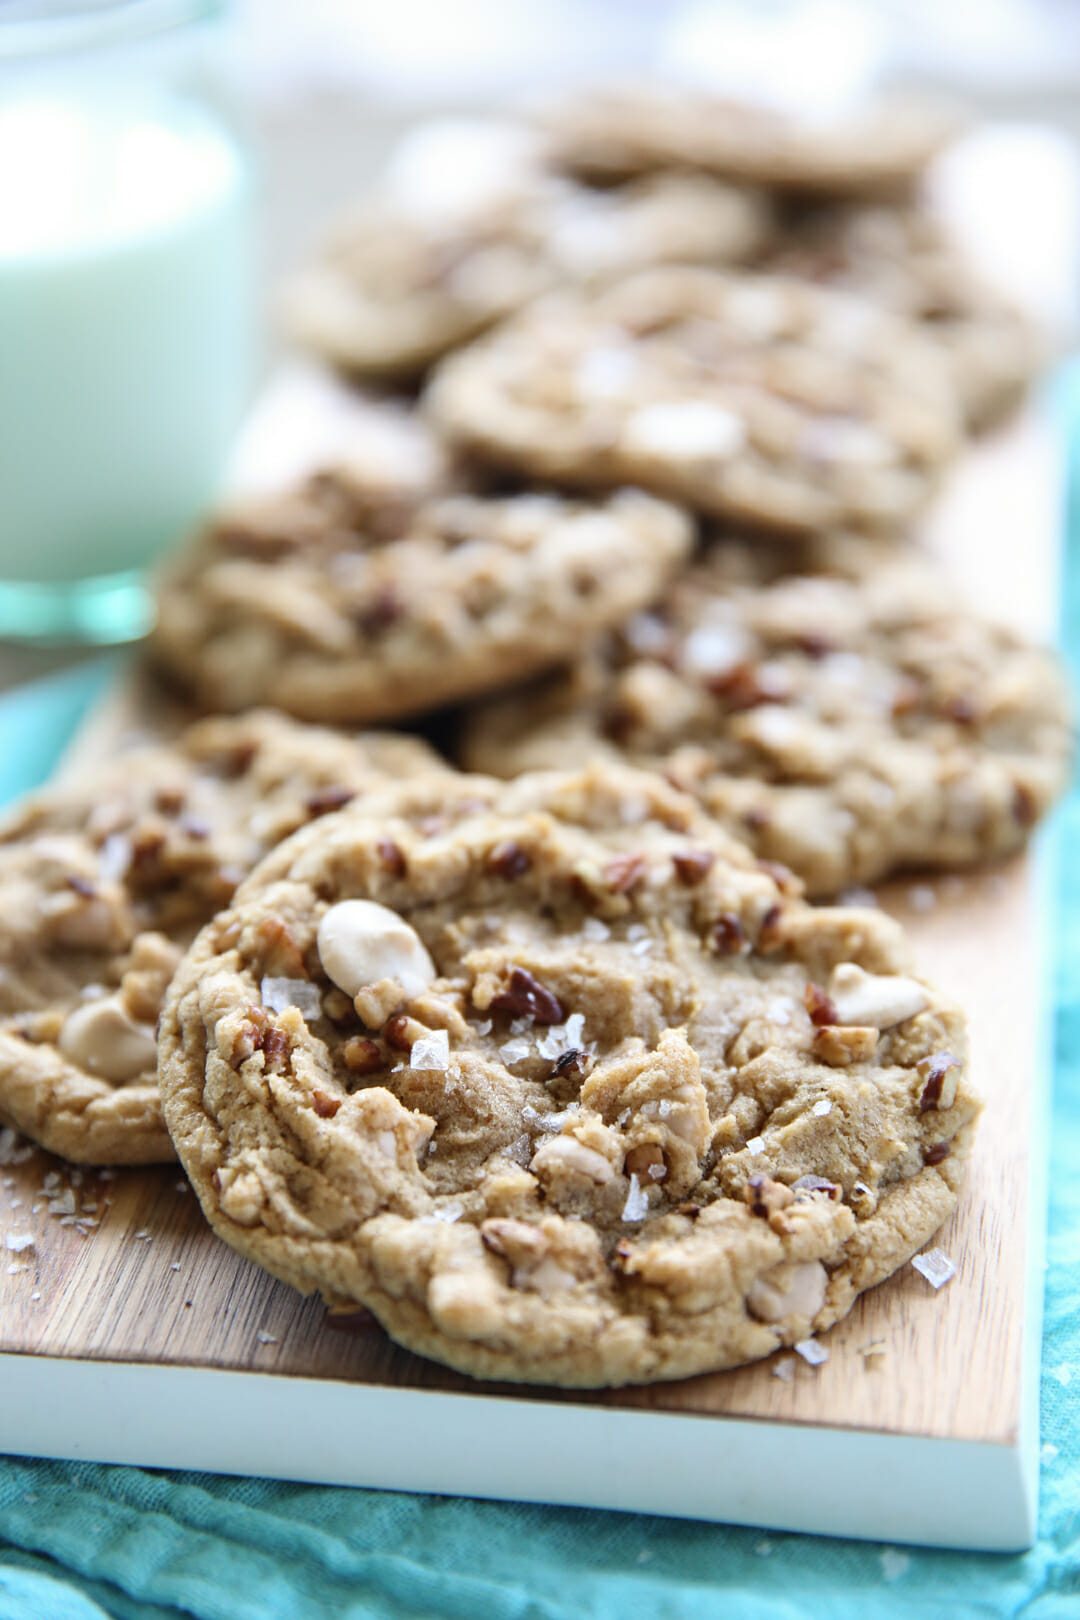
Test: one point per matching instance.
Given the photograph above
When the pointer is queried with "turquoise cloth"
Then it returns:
(132, 1543)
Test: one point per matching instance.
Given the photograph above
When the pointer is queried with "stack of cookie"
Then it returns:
(537, 1048)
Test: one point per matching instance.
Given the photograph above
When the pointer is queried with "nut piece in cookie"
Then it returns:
(563, 1133)
(104, 881)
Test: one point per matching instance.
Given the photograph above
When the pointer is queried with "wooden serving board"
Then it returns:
(129, 1333)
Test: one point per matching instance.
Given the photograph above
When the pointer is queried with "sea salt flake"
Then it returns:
(62, 1203)
(18, 1241)
(921, 897)
(449, 1212)
(9, 1142)
(521, 1025)
(637, 1203)
(858, 897)
(637, 931)
(175, 1266)
(35, 1296)
(821, 1108)
(813, 1353)
(755, 1146)
(642, 947)
(595, 930)
(785, 1369)
(114, 857)
(663, 1108)
(621, 1119)
(431, 1052)
(512, 1051)
(1063, 1373)
(265, 1338)
(935, 1266)
(277, 994)
(17, 1266)
(485, 1028)
(894, 1564)
(1048, 1452)
(562, 1038)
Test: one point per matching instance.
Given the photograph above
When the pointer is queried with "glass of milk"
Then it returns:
(126, 302)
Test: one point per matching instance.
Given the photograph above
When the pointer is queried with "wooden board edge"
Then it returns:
(924, 1492)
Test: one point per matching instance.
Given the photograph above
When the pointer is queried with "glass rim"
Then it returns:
(31, 30)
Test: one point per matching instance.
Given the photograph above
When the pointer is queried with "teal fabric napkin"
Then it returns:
(79, 1540)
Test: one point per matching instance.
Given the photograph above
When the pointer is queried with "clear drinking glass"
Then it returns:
(126, 301)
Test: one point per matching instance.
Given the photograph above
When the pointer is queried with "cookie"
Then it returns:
(104, 880)
(907, 261)
(334, 603)
(834, 705)
(759, 398)
(882, 146)
(392, 291)
(570, 1089)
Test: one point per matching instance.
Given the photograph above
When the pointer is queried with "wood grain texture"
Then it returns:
(149, 1282)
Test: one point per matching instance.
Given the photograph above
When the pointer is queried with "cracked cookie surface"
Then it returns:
(565, 1086)
(753, 397)
(104, 881)
(834, 705)
(334, 603)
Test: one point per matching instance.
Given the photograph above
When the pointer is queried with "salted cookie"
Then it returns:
(835, 706)
(392, 291)
(881, 146)
(335, 605)
(762, 398)
(562, 1084)
(908, 262)
(105, 880)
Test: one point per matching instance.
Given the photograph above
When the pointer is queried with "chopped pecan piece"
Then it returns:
(625, 872)
(170, 801)
(941, 1074)
(782, 876)
(324, 1104)
(383, 609)
(279, 954)
(822, 1008)
(770, 936)
(275, 1047)
(646, 1161)
(1025, 809)
(391, 856)
(764, 1196)
(747, 685)
(728, 935)
(362, 1055)
(691, 1211)
(527, 997)
(402, 1032)
(962, 709)
(509, 860)
(692, 865)
(328, 799)
(936, 1153)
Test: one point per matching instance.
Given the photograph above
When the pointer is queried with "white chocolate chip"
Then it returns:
(567, 1153)
(686, 430)
(788, 1290)
(103, 1037)
(874, 1000)
(361, 943)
